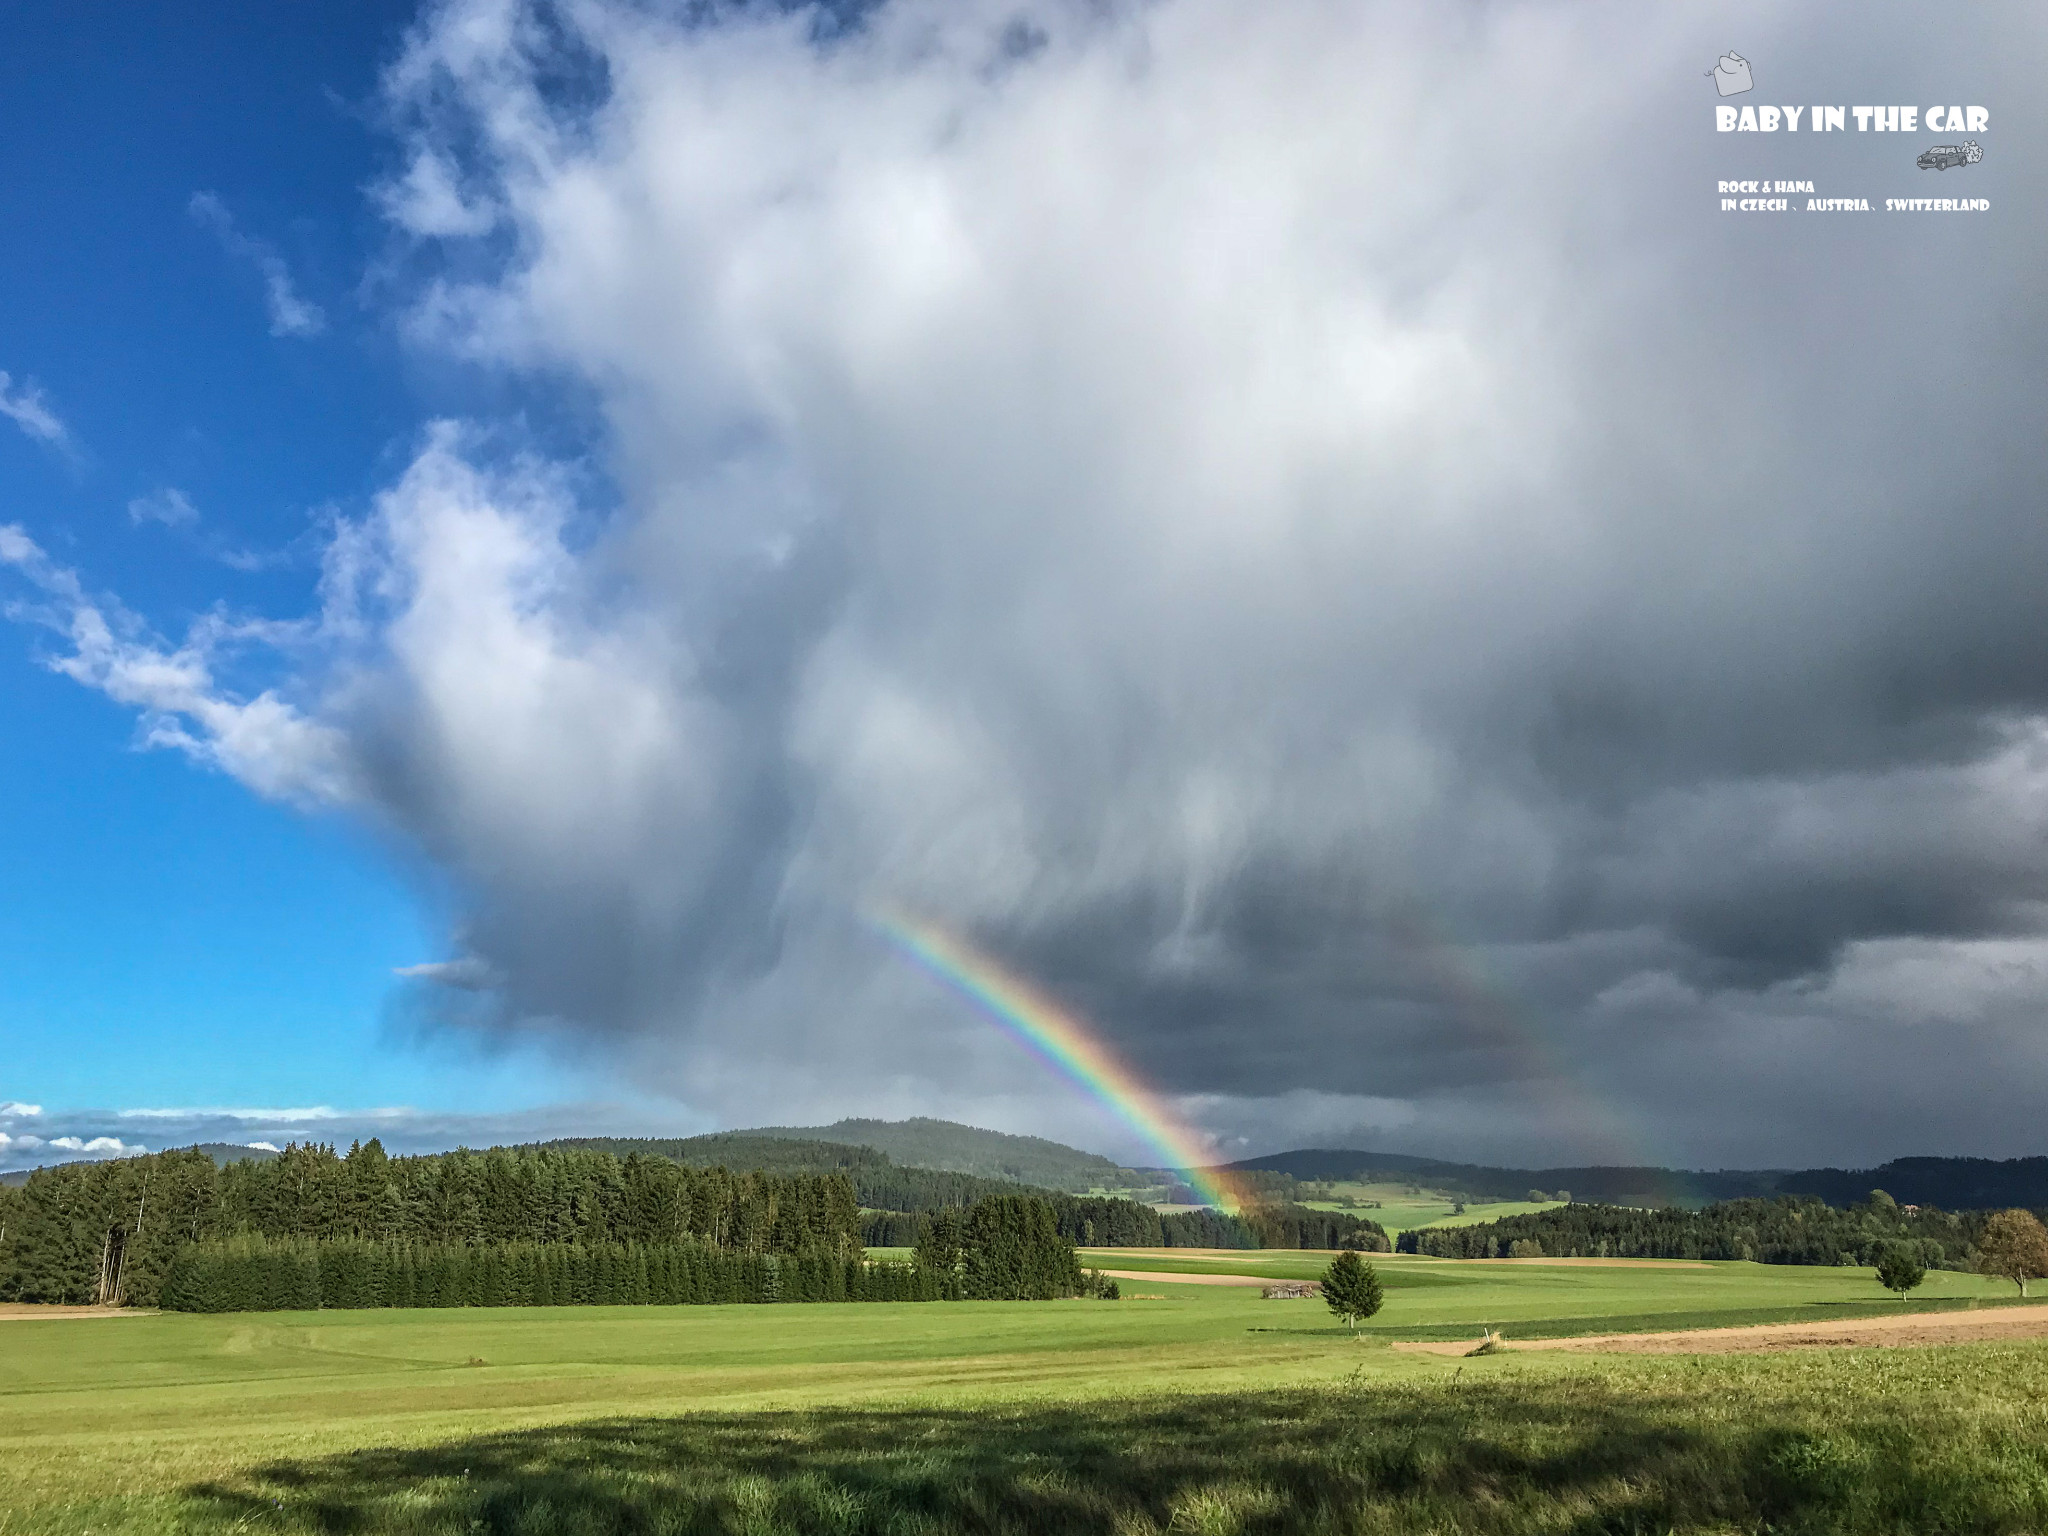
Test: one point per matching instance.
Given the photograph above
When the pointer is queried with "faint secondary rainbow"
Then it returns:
(1055, 1033)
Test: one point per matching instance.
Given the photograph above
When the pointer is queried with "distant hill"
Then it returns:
(878, 1182)
(1953, 1183)
(1610, 1185)
(750, 1150)
(221, 1152)
(923, 1164)
(955, 1148)
(225, 1152)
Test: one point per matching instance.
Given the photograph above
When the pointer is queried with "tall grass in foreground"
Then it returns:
(1950, 1440)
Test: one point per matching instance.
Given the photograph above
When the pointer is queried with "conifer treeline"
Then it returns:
(1789, 1230)
(1091, 1221)
(1287, 1225)
(1004, 1248)
(255, 1274)
(878, 1182)
(895, 1197)
(1108, 1222)
(85, 1232)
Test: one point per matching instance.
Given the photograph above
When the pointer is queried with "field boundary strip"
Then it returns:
(1912, 1329)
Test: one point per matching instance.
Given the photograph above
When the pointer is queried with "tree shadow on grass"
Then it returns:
(1497, 1457)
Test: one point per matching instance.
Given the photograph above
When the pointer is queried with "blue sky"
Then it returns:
(1308, 532)
(167, 938)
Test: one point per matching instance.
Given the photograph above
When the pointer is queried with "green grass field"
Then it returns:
(1211, 1410)
(1445, 1298)
(1399, 1207)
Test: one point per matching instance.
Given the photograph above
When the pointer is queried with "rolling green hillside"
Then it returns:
(956, 1148)
(881, 1183)
(222, 1152)
(751, 1150)
(1953, 1183)
(1478, 1181)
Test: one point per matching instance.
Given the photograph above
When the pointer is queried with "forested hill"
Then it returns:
(1478, 1181)
(879, 1182)
(219, 1151)
(937, 1164)
(92, 1231)
(1953, 1183)
(956, 1148)
(730, 1149)
(1792, 1229)
(65, 1231)
(898, 1200)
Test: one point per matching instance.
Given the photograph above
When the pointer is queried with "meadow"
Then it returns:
(1446, 1298)
(1209, 1410)
(1399, 1207)
(1396, 1207)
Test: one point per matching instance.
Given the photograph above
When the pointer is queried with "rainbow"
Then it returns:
(1055, 1033)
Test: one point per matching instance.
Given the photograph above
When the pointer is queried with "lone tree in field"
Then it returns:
(2014, 1245)
(1898, 1270)
(1351, 1287)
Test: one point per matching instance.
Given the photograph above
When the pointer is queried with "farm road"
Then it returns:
(1981, 1326)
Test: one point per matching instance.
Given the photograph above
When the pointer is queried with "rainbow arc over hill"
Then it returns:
(1062, 1038)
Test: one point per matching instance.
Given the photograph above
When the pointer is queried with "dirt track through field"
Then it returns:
(1602, 1263)
(1238, 1255)
(1981, 1326)
(25, 1312)
(1234, 1255)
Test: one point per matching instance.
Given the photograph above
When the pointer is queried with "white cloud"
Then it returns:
(18, 1152)
(290, 314)
(97, 1146)
(261, 1114)
(25, 407)
(427, 202)
(169, 506)
(469, 974)
(113, 1133)
(12, 1110)
(264, 741)
(254, 559)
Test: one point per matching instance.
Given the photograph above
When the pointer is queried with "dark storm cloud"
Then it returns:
(1301, 528)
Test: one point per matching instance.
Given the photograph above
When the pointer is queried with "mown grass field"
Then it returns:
(1399, 1207)
(1446, 1298)
(1211, 1410)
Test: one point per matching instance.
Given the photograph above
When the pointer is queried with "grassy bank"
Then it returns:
(1922, 1441)
(1398, 1207)
(1438, 1298)
(1209, 1410)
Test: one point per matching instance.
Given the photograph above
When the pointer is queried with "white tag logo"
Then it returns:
(1731, 75)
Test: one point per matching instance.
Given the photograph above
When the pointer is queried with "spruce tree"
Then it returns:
(399, 1288)
(1351, 1288)
(1898, 1270)
(938, 1248)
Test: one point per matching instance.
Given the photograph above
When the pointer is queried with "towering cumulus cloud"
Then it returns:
(1290, 524)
